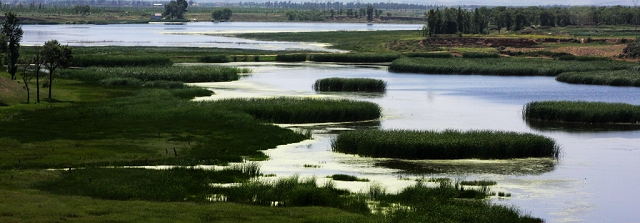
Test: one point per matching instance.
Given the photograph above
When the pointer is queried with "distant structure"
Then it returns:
(156, 16)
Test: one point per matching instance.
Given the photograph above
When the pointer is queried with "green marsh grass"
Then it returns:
(480, 55)
(478, 183)
(344, 177)
(350, 84)
(582, 112)
(447, 203)
(177, 184)
(129, 130)
(120, 61)
(353, 57)
(293, 191)
(449, 144)
(215, 59)
(630, 77)
(303, 110)
(501, 66)
(430, 55)
(296, 57)
(187, 74)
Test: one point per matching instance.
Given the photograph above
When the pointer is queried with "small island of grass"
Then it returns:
(630, 77)
(449, 144)
(350, 84)
(582, 112)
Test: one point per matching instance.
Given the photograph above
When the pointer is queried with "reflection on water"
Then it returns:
(532, 166)
(550, 126)
(594, 180)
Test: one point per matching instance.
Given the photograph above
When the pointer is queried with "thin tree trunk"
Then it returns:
(50, 83)
(37, 85)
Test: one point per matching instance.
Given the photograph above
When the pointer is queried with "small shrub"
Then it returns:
(350, 84)
(214, 59)
(291, 57)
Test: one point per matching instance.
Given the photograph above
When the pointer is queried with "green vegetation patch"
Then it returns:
(501, 66)
(177, 184)
(478, 183)
(303, 110)
(344, 177)
(120, 61)
(430, 55)
(296, 57)
(630, 77)
(582, 112)
(214, 59)
(480, 55)
(447, 203)
(449, 144)
(350, 84)
(354, 57)
(293, 191)
(143, 129)
(187, 74)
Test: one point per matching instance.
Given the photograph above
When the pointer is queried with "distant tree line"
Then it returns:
(480, 20)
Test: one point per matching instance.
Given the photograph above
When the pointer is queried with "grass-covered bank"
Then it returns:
(136, 130)
(187, 74)
(501, 66)
(582, 112)
(630, 77)
(303, 110)
(350, 84)
(449, 144)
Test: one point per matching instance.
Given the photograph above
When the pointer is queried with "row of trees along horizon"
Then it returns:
(50, 56)
(512, 18)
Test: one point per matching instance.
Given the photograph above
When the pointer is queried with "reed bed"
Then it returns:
(303, 110)
(354, 57)
(430, 55)
(582, 58)
(298, 57)
(480, 55)
(582, 112)
(187, 74)
(214, 59)
(630, 77)
(344, 177)
(449, 144)
(120, 61)
(350, 84)
(501, 66)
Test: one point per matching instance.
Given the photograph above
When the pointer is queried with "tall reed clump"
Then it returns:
(430, 55)
(293, 191)
(448, 144)
(120, 61)
(303, 110)
(501, 66)
(353, 57)
(297, 57)
(350, 84)
(214, 59)
(630, 77)
(583, 112)
(187, 74)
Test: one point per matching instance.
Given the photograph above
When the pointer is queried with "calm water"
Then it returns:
(594, 181)
(192, 34)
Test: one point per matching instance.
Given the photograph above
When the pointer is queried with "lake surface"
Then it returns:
(594, 180)
(191, 34)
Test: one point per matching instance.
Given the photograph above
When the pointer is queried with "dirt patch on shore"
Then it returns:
(603, 51)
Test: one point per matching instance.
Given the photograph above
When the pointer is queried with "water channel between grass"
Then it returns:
(591, 182)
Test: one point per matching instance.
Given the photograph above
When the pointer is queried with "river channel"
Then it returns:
(594, 180)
